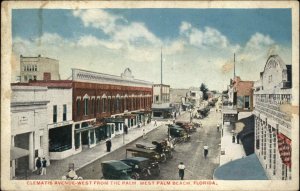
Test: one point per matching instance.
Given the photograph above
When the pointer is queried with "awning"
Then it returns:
(114, 120)
(129, 116)
(248, 168)
(16, 152)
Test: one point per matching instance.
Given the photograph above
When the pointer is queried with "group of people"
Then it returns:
(41, 165)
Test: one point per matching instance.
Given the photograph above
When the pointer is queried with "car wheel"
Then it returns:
(135, 176)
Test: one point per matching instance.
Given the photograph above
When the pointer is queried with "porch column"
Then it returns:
(13, 162)
(31, 151)
(89, 137)
(95, 141)
(73, 137)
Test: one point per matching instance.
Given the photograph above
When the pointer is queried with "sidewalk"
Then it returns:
(58, 168)
(232, 150)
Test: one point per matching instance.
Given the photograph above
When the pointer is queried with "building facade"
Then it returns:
(103, 104)
(161, 107)
(29, 134)
(273, 93)
(38, 68)
(194, 97)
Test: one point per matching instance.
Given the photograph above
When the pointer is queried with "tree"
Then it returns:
(204, 90)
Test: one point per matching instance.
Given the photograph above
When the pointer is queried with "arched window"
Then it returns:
(104, 105)
(35, 67)
(118, 104)
(86, 106)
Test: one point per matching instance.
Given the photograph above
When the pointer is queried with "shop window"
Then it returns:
(77, 140)
(25, 78)
(92, 137)
(54, 113)
(64, 112)
(247, 102)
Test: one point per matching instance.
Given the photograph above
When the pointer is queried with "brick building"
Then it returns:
(103, 104)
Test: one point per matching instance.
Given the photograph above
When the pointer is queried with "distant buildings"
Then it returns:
(273, 95)
(38, 68)
(194, 97)
(161, 107)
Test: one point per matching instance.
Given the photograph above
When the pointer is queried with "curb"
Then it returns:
(76, 169)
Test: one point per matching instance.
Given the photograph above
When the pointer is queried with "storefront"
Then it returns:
(116, 124)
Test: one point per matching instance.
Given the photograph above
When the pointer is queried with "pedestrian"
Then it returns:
(238, 139)
(144, 133)
(44, 165)
(205, 151)
(181, 169)
(125, 129)
(108, 145)
(233, 138)
(38, 165)
(155, 123)
(218, 127)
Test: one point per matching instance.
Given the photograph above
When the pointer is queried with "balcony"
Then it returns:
(269, 105)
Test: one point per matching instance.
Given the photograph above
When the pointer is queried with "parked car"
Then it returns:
(189, 127)
(142, 168)
(160, 147)
(147, 153)
(178, 133)
(116, 170)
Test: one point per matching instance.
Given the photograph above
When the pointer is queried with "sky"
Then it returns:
(197, 45)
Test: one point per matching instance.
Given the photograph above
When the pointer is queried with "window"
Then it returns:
(54, 113)
(34, 78)
(86, 104)
(104, 105)
(78, 107)
(64, 112)
(98, 106)
(108, 105)
(156, 98)
(25, 78)
(35, 67)
(247, 102)
(118, 104)
(93, 106)
(24, 68)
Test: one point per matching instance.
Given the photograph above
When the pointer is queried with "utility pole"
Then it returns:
(233, 66)
(161, 76)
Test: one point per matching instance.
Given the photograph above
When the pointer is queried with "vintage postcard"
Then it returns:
(149, 95)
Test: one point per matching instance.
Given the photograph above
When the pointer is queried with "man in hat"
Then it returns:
(108, 145)
(181, 169)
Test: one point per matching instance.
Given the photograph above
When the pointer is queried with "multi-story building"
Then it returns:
(194, 97)
(38, 68)
(29, 134)
(273, 93)
(103, 104)
(161, 107)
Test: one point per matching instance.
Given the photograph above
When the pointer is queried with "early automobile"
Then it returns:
(189, 127)
(116, 170)
(161, 147)
(142, 168)
(147, 153)
(178, 133)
